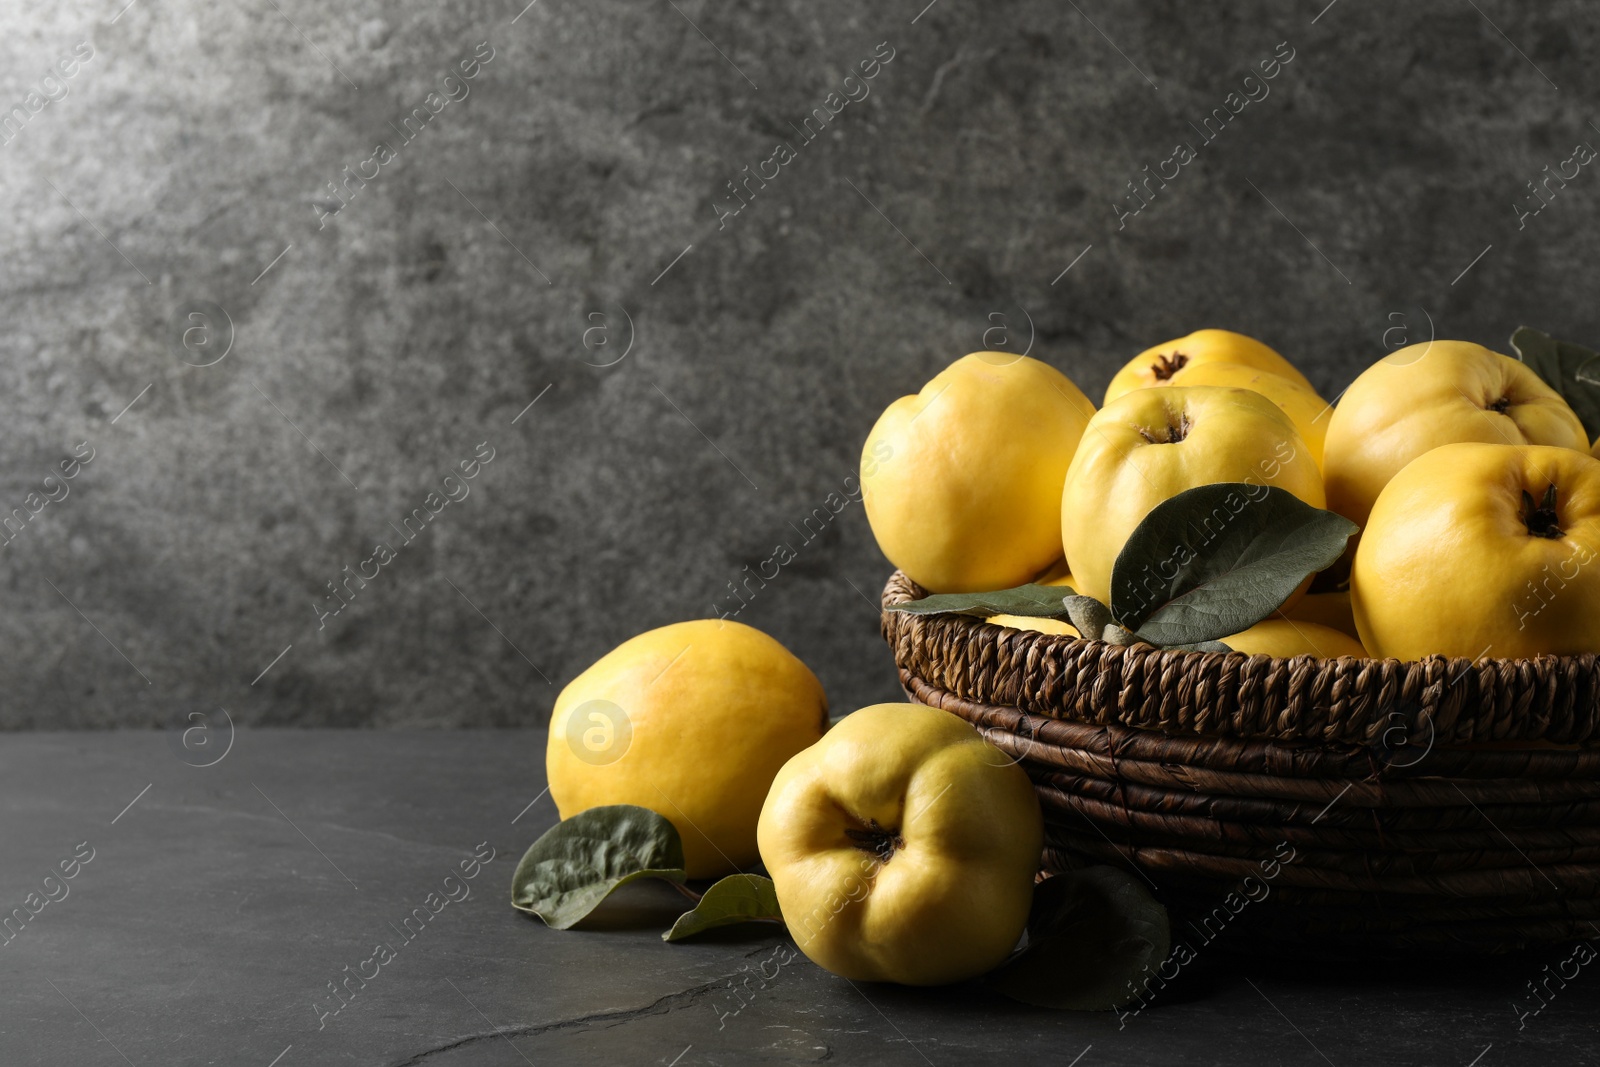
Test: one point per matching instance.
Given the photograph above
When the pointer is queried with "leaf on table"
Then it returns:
(579, 862)
(1037, 601)
(1569, 369)
(1091, 936)
(738, 898)
(1217, 559)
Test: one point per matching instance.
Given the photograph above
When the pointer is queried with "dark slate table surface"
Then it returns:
(220, 901)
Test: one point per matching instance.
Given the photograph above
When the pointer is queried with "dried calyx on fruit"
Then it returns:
(877, 842)
(1167, 365)
(1541, 519)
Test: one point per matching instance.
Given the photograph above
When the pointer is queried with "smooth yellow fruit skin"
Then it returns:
(1308, 411)
(1057, 574)
(951, 903)
(1155, 366)
(1432, 394)
(1290, 637)
(1595, 451)
(716, 708)
(1325, 609)
(962, 481)
(1126, 466)
(1448, 566)
(1035, 623)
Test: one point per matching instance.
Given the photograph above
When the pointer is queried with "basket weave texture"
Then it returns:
(1334, 809)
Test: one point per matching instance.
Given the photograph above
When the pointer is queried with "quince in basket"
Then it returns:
(1285, 637)
(962, 481)
(1149, 445)
(1432, 394)
(1308, 411)
(1483, 550)
(1157, 365)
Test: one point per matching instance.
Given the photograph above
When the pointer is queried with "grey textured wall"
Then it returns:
(373, 348)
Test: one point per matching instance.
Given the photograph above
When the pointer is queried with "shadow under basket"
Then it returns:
(1337, 809)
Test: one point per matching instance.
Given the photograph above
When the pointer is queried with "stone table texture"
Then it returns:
(279, 267)
(218, 902)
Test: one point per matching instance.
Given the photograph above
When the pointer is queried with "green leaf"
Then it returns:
(1200, 646)
(1217, 559)
(566, 873)
(1092, 936)
(738, 898)
(1039, 601)
(1569, 369)
(1088, 615)
(1118, 635)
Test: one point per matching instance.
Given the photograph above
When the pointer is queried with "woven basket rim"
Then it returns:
(1344, 699)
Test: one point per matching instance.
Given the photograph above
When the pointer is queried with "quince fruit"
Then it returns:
(1149, 445)
(1478, 550)
(1036, 623)
(1330, 609)
(1431, 394)
(903, 847)
(1288, 637)
(1308, 411)
(1057, 574)
(962, 481)
(692, 721)
(1156, 366)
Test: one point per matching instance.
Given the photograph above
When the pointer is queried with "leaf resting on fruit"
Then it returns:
(1212, 561)
(1039, 601)
(1217, 559)
(1569, 369)
(579, 862)
(1093, 620)
(1091, 936)
(738, 898)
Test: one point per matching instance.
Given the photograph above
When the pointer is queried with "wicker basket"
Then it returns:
(1337, 809)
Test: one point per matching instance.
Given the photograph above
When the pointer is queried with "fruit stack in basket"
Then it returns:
(1470, 479)
(1409, 736)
